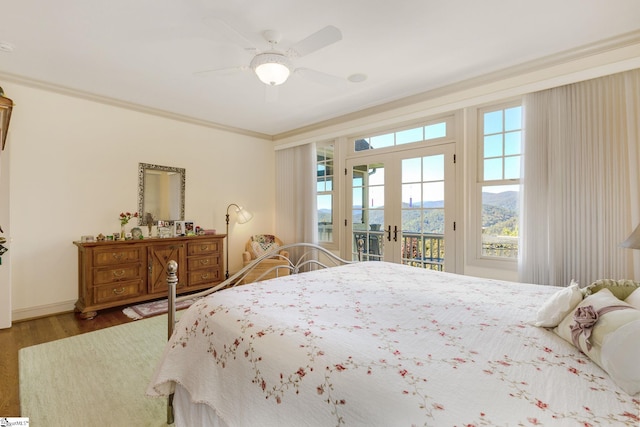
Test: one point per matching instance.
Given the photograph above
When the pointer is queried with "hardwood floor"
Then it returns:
(37, 331)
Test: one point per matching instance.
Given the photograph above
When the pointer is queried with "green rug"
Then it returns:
(94, 379)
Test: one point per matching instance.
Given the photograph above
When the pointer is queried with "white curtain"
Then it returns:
(581, 188)
(296, 213)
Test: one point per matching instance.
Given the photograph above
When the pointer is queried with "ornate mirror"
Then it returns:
(160, 193)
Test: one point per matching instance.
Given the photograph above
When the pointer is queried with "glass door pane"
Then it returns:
(367, 211)
(423, 201)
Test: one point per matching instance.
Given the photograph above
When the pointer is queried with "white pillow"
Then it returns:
(614, 342)
(619, 356)
(558, 306)
(634, 299)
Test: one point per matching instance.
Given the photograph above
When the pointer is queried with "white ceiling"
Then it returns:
(145, 52)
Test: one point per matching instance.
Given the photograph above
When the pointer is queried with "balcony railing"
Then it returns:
(419, 250)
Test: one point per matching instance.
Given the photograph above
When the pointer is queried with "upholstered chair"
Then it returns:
(257, 246)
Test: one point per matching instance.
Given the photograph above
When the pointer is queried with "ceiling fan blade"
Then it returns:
(321, 78)
(316, 41)
(231, 34)
(222, 71)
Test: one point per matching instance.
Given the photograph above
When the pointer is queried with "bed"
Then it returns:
(381, 344)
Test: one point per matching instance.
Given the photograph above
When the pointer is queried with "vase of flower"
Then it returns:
(124, 220)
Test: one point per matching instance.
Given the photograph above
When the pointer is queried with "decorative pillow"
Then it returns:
(607, 330)
(620, 288)
(634, 299)
(558, 306)
(263, 243)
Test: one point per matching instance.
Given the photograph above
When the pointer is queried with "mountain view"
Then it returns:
(499, 215)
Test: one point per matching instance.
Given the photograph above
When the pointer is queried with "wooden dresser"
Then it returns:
(115, 273)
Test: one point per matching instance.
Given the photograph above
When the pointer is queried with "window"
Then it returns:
(499, 180)
(421, 133)
(325, 191)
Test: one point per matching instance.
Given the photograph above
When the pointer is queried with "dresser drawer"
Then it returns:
(203, 248)
(117, 291)
(201, 277)
(114, 256)
(118, 273)
(197, 263)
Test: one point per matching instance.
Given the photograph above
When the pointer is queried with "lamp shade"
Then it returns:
(271, 68)
(633, 241)
(243, 215)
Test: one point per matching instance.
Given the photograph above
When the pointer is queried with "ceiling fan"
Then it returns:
(274, 66)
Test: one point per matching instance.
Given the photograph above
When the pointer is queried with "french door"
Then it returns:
(402, 207)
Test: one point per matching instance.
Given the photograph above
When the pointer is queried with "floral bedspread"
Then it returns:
(381, 344)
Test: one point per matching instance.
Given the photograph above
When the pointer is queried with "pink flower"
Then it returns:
(540, 404)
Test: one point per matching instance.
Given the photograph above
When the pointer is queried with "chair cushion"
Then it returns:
(263, 243)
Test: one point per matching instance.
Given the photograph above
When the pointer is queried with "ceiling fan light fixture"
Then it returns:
(271, 68)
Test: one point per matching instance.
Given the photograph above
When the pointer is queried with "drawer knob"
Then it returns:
(204, 247)
(205, 276)
(118, 273)
(204, 261)
(118, 291)
(118, 255)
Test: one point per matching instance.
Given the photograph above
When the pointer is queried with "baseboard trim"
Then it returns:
(42, 311)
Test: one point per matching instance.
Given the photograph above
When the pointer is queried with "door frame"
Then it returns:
(392, 161)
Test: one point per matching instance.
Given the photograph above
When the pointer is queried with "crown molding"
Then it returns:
(63, 90)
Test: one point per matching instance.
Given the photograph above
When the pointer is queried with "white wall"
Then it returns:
(74, 165)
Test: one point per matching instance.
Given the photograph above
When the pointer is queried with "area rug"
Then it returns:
(153, 308)
(94, 379)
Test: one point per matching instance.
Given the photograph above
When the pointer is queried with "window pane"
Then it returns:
(376, 197)
(513, 118)
(329, 168)
(493, 145)
(409, 135)
(376, 175)
(320, 186)
(492, 169)
(382, 141)
(411, 171)
(512, 167)
(433, 194)
(357, 218)
(412, 221)
(438, 130)
(359, 172)
(411, 195)
(433, 168)
(493, 122)
(500, 208)
(512, 143)
(325, 204)
(362, 144)
(358, 200)
(433, 221)
(329, 184)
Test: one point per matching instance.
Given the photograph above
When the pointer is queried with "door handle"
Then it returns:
(395, 233)
(389, 233)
